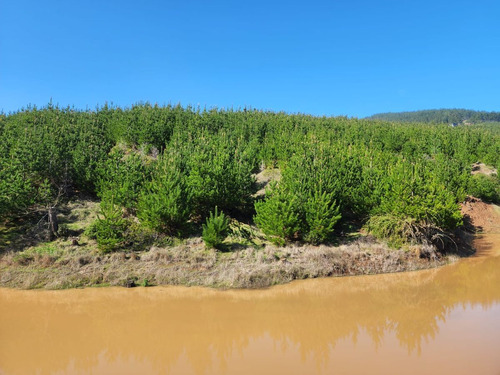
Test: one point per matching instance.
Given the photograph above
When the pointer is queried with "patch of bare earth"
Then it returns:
(481, 168)
(264, 178)
(481, 216)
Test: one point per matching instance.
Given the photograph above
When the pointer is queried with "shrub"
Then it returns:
(165, 203)
(399, 231)
(216, 229)
(395, 230)
(321, 215)
(137, 237)
(16, 190)
(413, 192)
(122, 177)
(109, 228)
(219, 174)
(485, 187)
(278, 215)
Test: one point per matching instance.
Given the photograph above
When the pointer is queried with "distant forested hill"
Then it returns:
(446, 116)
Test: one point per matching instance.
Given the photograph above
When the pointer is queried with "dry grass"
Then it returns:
(481, 168)
(192, 264)
(264, 178)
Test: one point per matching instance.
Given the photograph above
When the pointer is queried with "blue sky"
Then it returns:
(351, 58)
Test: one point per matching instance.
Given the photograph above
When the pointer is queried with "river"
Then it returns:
(439, 321)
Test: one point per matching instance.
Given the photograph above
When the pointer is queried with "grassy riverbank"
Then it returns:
(74, 260)
(68, 266)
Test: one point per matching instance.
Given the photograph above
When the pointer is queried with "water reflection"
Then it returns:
(315, 326)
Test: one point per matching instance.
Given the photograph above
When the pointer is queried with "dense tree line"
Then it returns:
(160, 169)
(440, 116)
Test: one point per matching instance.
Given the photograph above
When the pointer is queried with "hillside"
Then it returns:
(192, 189)
(440, 116)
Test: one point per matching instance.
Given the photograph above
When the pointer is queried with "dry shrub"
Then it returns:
(403, 232)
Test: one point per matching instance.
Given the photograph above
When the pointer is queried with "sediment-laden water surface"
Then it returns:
(440, 321)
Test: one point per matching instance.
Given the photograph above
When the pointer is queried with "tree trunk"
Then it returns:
(53, 224)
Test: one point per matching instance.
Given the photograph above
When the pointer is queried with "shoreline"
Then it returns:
(249, 268)
(191, 264)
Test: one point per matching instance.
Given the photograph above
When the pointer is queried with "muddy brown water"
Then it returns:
(440, 321)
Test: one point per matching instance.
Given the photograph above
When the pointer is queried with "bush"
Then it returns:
(321, 214)
(137, 237)
(413, 192)
(278, 215)
(122, 177)
(165, 203)
(485, 187)
(395, 230)
(216, 229)
(219, 174)
(109, 228)
(90, 152)
(17, 192)
(399, 231)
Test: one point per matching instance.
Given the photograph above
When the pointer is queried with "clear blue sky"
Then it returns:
(349, 57)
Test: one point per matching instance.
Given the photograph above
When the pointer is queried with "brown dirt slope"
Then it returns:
(483, 217)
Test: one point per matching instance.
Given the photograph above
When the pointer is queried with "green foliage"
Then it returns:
(90, 153)
(169, 165)
(219, 174)
(485, 187)
(446, 116)
(216, 229)
(17, 192)
(396, 230)
(292, 211)
(331, 171)
(165, 202)
(400, 231)
(122, 177)
(411, 190)
(109, 228)
(321, 215)
(137, 237)
(278, 216)
(60, 146)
